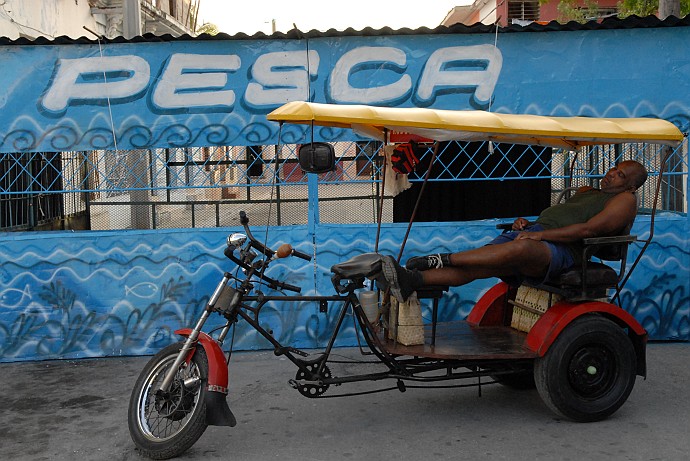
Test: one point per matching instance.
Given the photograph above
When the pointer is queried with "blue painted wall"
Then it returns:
(88, 294)
(68, 295)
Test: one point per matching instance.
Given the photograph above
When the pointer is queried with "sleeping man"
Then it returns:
(534, 252)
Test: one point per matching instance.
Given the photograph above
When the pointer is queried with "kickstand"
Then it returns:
(479, 385)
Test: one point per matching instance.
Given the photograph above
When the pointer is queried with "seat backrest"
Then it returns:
(591, 280)
(613, 251)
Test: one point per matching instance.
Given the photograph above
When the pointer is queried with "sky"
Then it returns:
(251, 16)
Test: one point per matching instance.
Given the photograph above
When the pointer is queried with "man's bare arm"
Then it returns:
(618, 213)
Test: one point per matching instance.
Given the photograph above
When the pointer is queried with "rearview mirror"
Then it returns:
(236, 239)
(316, 157)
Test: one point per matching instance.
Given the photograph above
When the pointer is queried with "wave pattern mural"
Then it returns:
(69, 295)
(53, 99)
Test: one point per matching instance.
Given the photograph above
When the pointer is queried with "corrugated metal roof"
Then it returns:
(631, 22)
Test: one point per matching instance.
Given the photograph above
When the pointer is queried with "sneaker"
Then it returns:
(401, 282)
(422, 263)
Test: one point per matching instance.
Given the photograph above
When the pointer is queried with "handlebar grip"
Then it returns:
(286, 250)
(287, 286)
(243, 218)
(301, 255)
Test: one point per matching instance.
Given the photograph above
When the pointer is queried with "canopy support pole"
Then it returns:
(419, 199)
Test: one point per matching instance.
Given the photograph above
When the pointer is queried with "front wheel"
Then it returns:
(165, 424)
(589, 371)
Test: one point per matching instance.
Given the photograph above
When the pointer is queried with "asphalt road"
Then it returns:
(68, 410)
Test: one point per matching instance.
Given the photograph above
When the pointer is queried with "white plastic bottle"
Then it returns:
(370, 304)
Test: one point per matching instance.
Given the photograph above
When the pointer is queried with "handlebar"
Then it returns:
(272, 283)
(283, 251)
(287, 248)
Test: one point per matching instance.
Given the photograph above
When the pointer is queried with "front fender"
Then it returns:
(217, 365)
(560, 315)
(217, 411)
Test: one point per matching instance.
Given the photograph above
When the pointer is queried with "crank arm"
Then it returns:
(296, 383)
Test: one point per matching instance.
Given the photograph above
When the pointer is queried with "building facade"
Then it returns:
(106, 18)
(507, 12)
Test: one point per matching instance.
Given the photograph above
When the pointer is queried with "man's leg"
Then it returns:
(520, 257)
(439, 260)
(423, 263)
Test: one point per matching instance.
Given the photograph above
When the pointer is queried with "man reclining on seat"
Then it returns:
(538, 252)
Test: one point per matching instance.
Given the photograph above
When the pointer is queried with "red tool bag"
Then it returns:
(403, 158)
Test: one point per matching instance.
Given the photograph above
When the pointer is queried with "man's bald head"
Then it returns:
(635, 171)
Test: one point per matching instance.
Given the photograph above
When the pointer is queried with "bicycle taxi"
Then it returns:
(569, 339)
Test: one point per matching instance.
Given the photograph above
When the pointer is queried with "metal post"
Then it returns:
(313, 192)
(276, 181)
(140, 214)
(131, 18)
(669, 8)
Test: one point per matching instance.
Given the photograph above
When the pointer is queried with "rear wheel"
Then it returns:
(589, 371)
(165, 424)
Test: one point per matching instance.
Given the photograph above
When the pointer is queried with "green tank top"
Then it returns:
(579, 208)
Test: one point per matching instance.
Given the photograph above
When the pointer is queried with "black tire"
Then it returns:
(163, 428)
(589, 371)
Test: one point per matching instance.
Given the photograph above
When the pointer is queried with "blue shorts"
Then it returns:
(561, 257)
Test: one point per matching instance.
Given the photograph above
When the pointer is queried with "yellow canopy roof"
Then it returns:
(469, 125)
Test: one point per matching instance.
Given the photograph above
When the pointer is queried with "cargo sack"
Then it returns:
(529, 305)
(405, 321)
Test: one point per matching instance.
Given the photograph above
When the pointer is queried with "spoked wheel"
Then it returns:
(589, 371)
(165, 424)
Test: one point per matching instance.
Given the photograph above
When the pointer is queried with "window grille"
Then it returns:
(191, 187)
(523, 10)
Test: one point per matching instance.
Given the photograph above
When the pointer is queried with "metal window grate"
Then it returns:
(207, 186)
(523, 10)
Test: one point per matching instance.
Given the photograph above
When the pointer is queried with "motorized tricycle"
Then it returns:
(581, 351)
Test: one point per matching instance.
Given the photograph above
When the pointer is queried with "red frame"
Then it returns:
(491, 309)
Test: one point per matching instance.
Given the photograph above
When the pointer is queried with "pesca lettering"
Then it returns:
(196, 82)
(281, 77)
(341, 90)
(459, 68)
(86, 80)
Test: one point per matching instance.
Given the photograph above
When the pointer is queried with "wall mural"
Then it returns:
(213, 92)
(70, 295)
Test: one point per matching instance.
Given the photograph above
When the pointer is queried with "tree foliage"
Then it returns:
(207, 28)
(647, 7)
(575, 10)
(640, 8)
